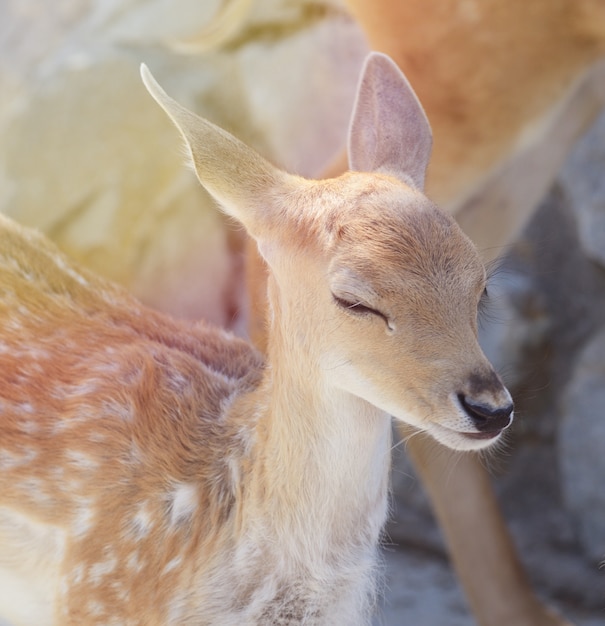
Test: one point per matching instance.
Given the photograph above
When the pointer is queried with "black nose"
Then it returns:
(486, 418)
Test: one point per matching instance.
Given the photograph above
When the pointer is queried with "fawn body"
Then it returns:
(156, 472)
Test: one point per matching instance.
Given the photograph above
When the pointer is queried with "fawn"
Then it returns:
(156, 472)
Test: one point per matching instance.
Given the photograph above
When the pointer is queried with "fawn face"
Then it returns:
(383, 296)
(405, 285)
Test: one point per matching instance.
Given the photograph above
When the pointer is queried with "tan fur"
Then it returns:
(154, 472)
(489, 75)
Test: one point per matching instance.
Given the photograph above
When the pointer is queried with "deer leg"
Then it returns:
(481, 548)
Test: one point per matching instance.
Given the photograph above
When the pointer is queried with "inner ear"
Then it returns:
(389, 130)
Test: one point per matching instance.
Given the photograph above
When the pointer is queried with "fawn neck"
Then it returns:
(320, 454)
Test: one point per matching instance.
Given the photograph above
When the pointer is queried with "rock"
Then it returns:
(513, 321)
(89, 158)
(86, 158)
(583, 180)
(581, 443)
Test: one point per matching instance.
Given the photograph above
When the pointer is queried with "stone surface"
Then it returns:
(513, 320)
(584, 181)
(422, 591)
(90, 159)
(581, 439)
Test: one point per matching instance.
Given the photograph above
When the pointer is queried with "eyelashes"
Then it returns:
(485, 309)
(355, 307)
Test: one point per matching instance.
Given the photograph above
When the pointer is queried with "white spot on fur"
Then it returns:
(121, 592)
(108, 368)
(85, 388)
(136, 456)
(183, 502)
(83, 519)
(141, 522)
(97, 437)
(81, 460)
(77, 574)
(57, 473)
(29, 426)
(172, 564)
(38, 354)
(11, 459)
(34, 488)
(133, 562)
(84, 415)
(95, 608)
(99, 571)
(177, 381)
(124, 411)
(12, 324)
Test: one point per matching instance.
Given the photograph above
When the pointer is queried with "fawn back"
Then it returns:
(109, 438)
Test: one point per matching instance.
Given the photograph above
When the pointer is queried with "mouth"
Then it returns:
(485, 435)
(458, 440)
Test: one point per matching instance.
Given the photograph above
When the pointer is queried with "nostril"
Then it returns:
(484, 416)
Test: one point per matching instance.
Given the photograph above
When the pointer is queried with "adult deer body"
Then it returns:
(153, 472)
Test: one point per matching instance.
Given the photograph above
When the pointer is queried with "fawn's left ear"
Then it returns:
(245, 184)
(389, 130)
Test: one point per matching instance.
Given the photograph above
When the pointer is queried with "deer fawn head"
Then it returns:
(369, 279)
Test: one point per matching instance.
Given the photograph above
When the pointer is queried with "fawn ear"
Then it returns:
(389, 130)
(234, 174)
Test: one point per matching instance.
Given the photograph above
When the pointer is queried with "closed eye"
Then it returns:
(358, 308)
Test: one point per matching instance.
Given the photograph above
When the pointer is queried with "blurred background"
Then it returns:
(89, 159)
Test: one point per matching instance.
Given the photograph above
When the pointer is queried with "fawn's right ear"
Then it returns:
(389, 130)
(235, 175)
